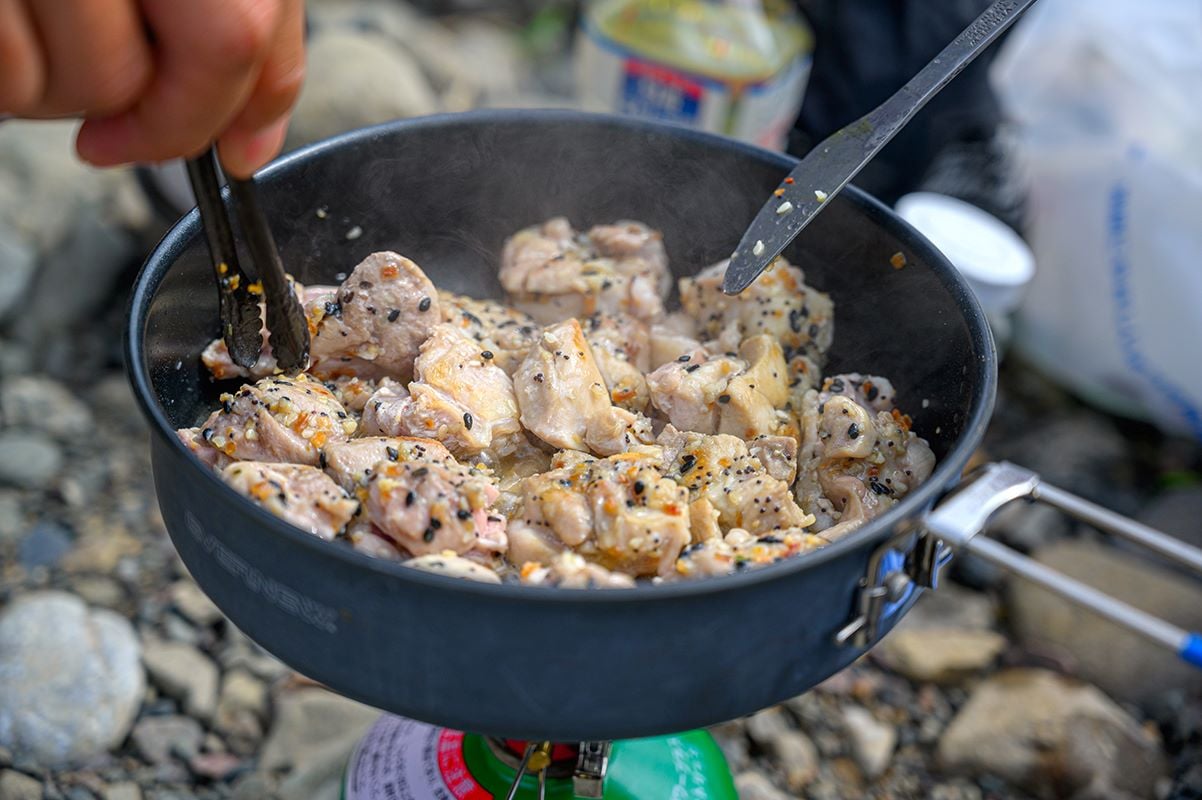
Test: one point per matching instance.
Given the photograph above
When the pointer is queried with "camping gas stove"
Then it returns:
(401, 759)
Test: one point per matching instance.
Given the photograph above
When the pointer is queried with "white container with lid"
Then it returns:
(991, 256)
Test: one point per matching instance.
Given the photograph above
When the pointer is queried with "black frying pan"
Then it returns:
(527, 662)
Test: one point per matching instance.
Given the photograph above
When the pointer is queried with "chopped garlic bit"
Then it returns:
(820, 195)
(354, 233)
(784, 208)
(759, 247)
(322, 213)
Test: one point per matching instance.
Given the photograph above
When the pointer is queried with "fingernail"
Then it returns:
(262, 146)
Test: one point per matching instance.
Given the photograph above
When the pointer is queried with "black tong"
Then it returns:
(241, 321)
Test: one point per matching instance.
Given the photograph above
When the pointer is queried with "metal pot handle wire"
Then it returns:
(955, 525)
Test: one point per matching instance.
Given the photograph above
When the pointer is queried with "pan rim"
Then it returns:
(945, 475)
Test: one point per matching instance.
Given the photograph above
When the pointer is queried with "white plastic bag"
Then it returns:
(1107, 100)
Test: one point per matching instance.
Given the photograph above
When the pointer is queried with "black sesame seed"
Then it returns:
(463, 513)
(393, 453)
(639, 487)
(393, 314)
(684, 358)
(467, 420)
(692, 368)
(424, 305)
(421, 472)
(487, 355)
(723, 398)
(428, 536)
(853, 431)
(872, 393)
(409, 498)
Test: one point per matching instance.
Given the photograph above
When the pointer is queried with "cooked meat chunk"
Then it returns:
(434, 504)
(194, 440)
(506, 333)
(571, 571)
(722, 470)
(724, 394)
(373, 328)
(553, 273)
(857, 459)
(619, 512)
(353, 393)
(672, 338)
(216, 357)
(453, 565)
(778, 303)
(365, 538)
(564, 401)
(286, 420)
(459, 397)
(739, 550)
(352, 463)
(383, 409)
(620, 344)
(636, 250)
(778, 454)
(304, 496)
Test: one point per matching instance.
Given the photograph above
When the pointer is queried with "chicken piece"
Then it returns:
(722, 470)
(455, 566)
(366, 538)
(671, 338)
(281, 419)
(194, 439)
(619, 512)
(621, 345)
(434, 504)
(778, 303)
(459, 397)
(352, 463)
(569, 570)
(637, 250)
(302, 495)
(379, 318)
(498, 329)
(353, 393)
(553, 273)
(858, 456)
(382, 411)
(563, 399)
(739, 550)
(778, 454)
(723, 394)
(216, 357)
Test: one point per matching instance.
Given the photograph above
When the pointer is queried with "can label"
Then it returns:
(401, 759)
(616, 79)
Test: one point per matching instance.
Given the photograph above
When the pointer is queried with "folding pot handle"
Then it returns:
(955, 524)
(959, 519)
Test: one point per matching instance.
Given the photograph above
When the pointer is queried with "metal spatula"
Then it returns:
(832, 164)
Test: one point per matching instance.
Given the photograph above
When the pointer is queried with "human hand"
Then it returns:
(157, 79)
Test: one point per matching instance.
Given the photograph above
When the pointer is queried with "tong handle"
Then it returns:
(959, 519)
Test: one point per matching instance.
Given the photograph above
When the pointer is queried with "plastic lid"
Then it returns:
(995, 260)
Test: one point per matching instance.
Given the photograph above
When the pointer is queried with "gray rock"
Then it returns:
(12, 514)
(194, 604)
(44, 404)
(98, 590)
(946, 637)
(18, 260)
(16, 358)
(59, 298)
(1082, 452)
(798, 759)
(186, 674)
(70, 678)
(356, 79)
(1177, 512)
(756, 786)
(241, 709)
(1052, 736)
(1028, 526)
(15, 786)
(765, 726)
(123, 791)
(732, 739)
(160, 739)
(311, 740)
(44, 546)
(28, 459)
(872, 741)
(1120, 662)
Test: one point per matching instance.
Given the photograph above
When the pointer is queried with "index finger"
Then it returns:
(208, 54)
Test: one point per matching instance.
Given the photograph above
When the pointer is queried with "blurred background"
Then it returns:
(1061, 173)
